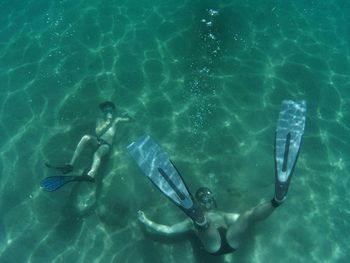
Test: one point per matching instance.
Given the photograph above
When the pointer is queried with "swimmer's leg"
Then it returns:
(247, 219)
(86, 139)
(101, 151)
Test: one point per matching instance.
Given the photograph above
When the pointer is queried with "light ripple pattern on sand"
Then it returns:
(206, 79)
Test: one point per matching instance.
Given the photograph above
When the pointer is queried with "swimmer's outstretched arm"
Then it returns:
(164, 230)
(122, 119)
(103, 125)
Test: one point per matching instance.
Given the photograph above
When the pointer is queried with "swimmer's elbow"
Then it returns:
(160, 230)
(98, 132)
(169, 231)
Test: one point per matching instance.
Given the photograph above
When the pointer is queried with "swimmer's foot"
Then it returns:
(289, 133)
(86, 178)
(275, 203)
(67, 168)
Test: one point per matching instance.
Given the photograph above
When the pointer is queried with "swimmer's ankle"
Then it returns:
(276, 203)
(91, 173)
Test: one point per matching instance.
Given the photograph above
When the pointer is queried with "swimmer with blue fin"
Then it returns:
(102, 142)
(219, 232)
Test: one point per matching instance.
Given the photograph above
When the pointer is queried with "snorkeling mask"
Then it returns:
(107, 107)
(205, 198)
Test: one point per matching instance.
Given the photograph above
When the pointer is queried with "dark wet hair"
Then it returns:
(107, 107)
(205, 198)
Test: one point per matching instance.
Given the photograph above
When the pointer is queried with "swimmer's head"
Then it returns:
(107, 108)
(205, 198)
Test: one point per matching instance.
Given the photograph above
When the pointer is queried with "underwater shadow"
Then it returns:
(199, 253)
(72, 216)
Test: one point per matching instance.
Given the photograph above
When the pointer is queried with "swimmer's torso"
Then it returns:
(108, 135)
(221, 219)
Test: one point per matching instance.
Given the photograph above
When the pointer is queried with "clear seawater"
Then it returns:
(206, 79)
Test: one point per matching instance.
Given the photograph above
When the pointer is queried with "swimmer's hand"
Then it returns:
(141, 216)
(149, 225)
(123, 119)
(126, 115)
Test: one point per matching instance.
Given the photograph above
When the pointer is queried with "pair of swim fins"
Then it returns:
(52, 183)
(159, 169)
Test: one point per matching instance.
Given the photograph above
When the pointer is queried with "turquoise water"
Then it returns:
(206, 80)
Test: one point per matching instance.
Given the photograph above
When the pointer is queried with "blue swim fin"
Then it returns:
(52, 183)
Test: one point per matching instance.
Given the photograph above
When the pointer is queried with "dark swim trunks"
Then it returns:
(102, 142)
(225, 247)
